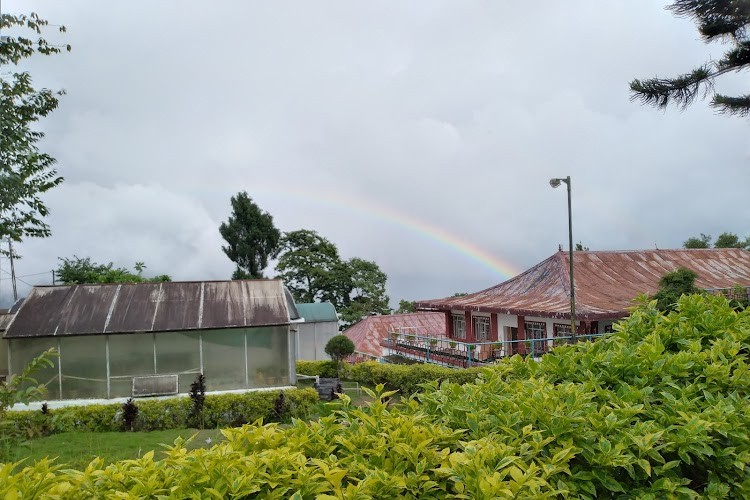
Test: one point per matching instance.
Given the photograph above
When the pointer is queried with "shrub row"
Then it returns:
(323, 368)
(220, 410)
(407, 379)
(659, 409)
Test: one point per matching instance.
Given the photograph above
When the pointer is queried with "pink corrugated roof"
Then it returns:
(368, 333)
(606, 282)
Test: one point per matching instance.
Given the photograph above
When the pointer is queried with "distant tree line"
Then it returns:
(79, 271)
(724, 240)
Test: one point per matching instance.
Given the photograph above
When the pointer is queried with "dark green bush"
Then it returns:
(325, 369)
(220, 410)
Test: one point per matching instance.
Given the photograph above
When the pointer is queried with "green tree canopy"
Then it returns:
(77, 271)
(251, 237)
(367, 296)
(674, 285)
(405, 306)
(25, 172)
(726, 21)
(312, 269)
(724, 240)
(702, 241)
(730, 240)
(338, 348)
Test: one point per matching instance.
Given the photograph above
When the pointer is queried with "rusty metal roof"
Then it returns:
(606, 282)
(371, 331)
(151, 307)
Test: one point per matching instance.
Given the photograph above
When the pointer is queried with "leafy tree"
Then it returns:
(724, 240)
(367, 295)
(25, 172)
(405, 306)
(674, 285)
(581, 248)
(251, 237)
(311, 268)
(338, 348)
(723, 20)
(730, 240)
(702, 241)
(77, 270)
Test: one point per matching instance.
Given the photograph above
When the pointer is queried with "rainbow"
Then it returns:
(502, 268)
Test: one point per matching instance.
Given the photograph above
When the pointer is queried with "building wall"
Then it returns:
(312, 339)
(103, 366)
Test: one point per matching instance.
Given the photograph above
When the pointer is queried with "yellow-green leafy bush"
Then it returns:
(221, 410)
(659, 409)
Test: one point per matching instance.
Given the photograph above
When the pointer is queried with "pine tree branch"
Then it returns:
(683, 90)
(735, 59)
(737, 106)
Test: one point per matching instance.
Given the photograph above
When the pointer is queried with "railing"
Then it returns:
(449, 352)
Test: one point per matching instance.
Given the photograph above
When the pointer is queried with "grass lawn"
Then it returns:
(77, 449)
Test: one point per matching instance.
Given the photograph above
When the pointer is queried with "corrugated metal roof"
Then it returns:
(606, 282)
(144, 307)
(5, 319)
(371, 331)
(318, 312)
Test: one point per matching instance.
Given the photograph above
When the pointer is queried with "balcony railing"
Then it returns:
(449, 352)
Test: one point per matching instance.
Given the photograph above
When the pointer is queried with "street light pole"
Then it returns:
(555, 183)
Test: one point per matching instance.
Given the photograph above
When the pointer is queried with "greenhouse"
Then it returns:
(145, 339)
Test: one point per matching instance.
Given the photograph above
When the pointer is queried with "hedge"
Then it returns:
(325, 368)
(407, 379)
(659, 409)
(220, 410)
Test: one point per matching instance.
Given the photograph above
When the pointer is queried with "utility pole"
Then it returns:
(12, 271)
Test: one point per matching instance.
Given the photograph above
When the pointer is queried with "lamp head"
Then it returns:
(555, 182)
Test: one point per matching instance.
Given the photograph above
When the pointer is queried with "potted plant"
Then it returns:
(452, 344)
(433, 343)
(497, 348)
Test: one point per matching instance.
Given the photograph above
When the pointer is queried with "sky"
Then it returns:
(418, 134)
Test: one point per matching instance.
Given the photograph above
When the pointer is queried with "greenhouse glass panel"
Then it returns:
(129, 355)
(3, 358)
(84, 367)
(179, 353)
(22, 351)
(224, 359)
(268, 356)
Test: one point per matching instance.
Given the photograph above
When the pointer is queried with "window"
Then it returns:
(459, 326)
(482, 328)
(608, 329)
(561, 329)
(536, 332)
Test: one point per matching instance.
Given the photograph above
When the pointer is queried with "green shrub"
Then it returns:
(407, 379)
(220, 410)
(325, 368)
(659, 409)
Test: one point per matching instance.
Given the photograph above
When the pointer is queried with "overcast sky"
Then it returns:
(400, 130)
